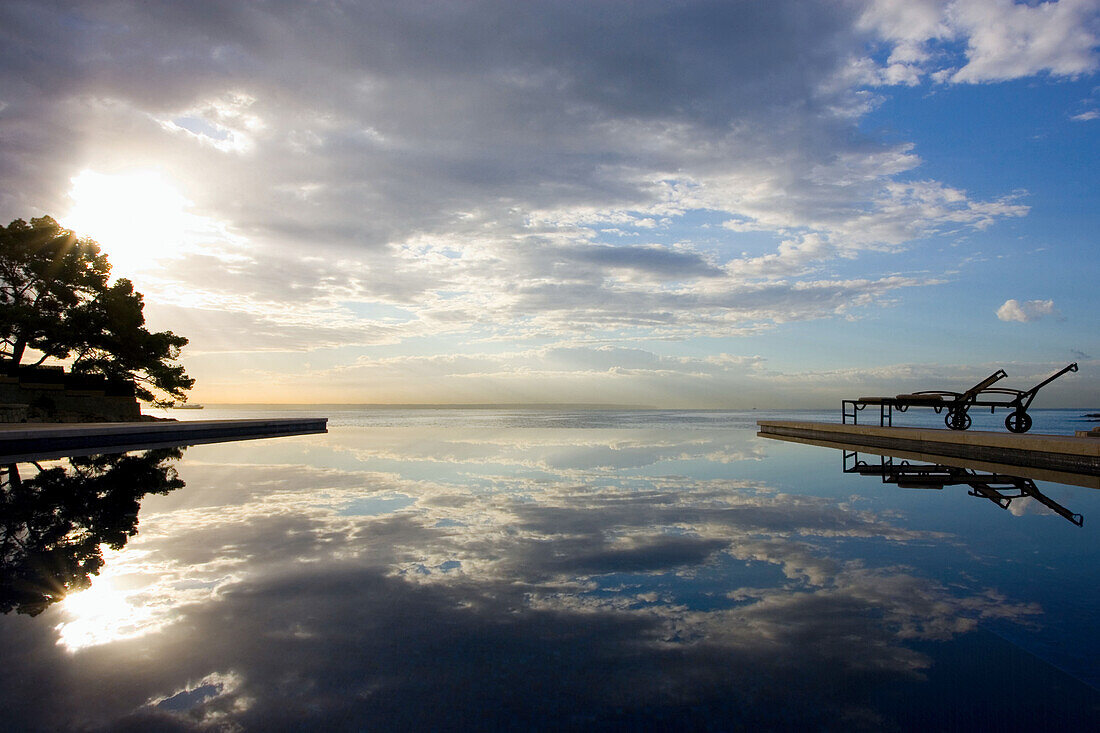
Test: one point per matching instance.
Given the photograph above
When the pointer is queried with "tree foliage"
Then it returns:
(46, 275)
(55, 299)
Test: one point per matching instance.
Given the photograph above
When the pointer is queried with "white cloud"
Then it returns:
(1004, 39)
(1032, 310)
(1009, 40)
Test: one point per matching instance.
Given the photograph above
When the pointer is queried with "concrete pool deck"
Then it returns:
(25, 441)
(1062, 453)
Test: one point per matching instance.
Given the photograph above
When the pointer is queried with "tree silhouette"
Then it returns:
(52, 525)
(55, 300)
(45, 274)
(115, 343)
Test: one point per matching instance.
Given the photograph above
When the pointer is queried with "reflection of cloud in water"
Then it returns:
(276, 608)
(555, 450)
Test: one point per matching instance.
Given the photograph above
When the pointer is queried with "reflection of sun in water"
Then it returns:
(101, 614)
(136, 217)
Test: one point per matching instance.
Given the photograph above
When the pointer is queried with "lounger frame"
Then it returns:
(958, 404)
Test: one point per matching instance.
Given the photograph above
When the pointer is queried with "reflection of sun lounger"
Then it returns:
(1000, 489)
(958, 404)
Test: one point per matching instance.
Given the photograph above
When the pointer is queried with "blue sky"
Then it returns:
(695, 204)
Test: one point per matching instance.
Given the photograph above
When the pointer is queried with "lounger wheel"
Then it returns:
(957, 420)
(1018, 422)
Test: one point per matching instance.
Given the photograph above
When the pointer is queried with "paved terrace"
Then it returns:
(1079, 455)
(26, 441)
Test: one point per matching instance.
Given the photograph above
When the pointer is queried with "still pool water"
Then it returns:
(526, 570)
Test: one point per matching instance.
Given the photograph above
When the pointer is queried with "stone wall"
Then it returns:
(48, 394)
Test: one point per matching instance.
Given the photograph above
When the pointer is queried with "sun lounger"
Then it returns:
(958, 404)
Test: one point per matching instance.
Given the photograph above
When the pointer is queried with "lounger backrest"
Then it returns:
(985, 383)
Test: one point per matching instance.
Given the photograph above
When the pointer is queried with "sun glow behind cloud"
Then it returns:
(137, 217)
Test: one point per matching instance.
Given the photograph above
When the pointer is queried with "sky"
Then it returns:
(678, 204)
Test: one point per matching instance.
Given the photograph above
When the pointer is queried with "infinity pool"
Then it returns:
(512, 570)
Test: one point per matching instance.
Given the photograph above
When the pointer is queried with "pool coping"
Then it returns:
(1053, 452)
(24, 441)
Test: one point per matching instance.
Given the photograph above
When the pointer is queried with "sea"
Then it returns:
(546, 569)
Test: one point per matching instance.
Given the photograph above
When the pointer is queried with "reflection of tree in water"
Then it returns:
(52, 525)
